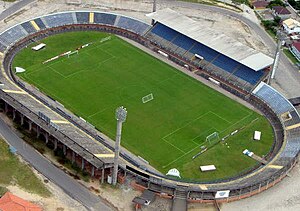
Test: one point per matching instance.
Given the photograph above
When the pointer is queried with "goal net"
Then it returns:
(147, 98)
(213, 138)
(210, 141)
(72, 53)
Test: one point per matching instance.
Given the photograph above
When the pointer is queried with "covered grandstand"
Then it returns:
(188, 39)
(270, 102)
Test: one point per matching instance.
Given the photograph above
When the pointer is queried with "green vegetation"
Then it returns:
(3, 190)
(290, 55)
(271, 26)
(39, 144)
(276, 3)
(15, 172)
(294, 4)
(167, 131)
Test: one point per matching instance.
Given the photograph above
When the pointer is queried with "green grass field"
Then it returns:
(167, 131)
(14, 172)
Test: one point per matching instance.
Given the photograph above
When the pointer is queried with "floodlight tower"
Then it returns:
(280, 37)
(121, 114)
(154, 9)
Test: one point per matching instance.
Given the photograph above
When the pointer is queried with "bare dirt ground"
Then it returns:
(138, 8)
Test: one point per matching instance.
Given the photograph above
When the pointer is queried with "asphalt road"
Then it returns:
(54, 174)
(14, 8)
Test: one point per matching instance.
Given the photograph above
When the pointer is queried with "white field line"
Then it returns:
(174, 146)
(186, 125)
(221, 117)
(199, 145)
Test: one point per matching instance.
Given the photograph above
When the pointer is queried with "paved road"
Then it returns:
(287, 77)
(54, 174)
(14, 8)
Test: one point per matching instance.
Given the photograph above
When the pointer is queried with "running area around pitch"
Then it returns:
(167, 129)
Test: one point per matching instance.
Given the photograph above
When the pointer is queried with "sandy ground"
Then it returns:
(224, 24)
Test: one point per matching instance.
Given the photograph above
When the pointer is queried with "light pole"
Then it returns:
(153, 10)
(121, 114)
(280, 37)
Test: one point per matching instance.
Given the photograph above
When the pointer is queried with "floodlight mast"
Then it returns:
(121, 115)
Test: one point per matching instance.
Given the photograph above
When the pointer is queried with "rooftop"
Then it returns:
(291, 23)
(9, 202)
(213, 39)
(280, 10)
(296, 45)
(260, 4)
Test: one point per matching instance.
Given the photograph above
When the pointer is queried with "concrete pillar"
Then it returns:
(55, 144)
(64, 149)
(14, 114)
(22, 119)
(73, 157)
(5, 108)
(38, 131)
(47, 138)
(82, 163)
(93, 171)
(30, 125)
(102, 176)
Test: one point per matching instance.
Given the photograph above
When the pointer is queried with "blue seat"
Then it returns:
(164, 32)
(183, 42)
(82, 17)
(105, 18)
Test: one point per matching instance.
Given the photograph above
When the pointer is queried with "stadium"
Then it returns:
(174, 121)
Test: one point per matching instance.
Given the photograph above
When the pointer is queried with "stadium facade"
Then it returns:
(93, 151)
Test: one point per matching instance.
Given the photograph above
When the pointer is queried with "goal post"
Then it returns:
(212, 139)
(147, 98)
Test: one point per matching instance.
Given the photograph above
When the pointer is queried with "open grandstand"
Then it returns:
(241, 74)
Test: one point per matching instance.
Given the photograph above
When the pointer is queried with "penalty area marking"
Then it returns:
(249, 114)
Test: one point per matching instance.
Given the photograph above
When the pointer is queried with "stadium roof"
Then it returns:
(213, 39)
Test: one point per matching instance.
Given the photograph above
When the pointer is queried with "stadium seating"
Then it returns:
(249, 75)
(132, 25)
(40, 23)
(170, 37)
(59, 19)
(164, 32)
(292, 147)
(12, 35)
(105, 18)
(28, 27)
(274, 99)
(183, 42)
(207, 53)
(82, 17)
(2, 47)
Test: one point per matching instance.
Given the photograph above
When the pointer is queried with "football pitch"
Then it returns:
(167, 130)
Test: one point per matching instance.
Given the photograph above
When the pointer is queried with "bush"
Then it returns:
(276, 3)
(295, 4)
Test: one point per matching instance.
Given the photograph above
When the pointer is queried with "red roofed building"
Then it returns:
(295, 49)
(10, 202)
(281, 12)
(258, 5)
